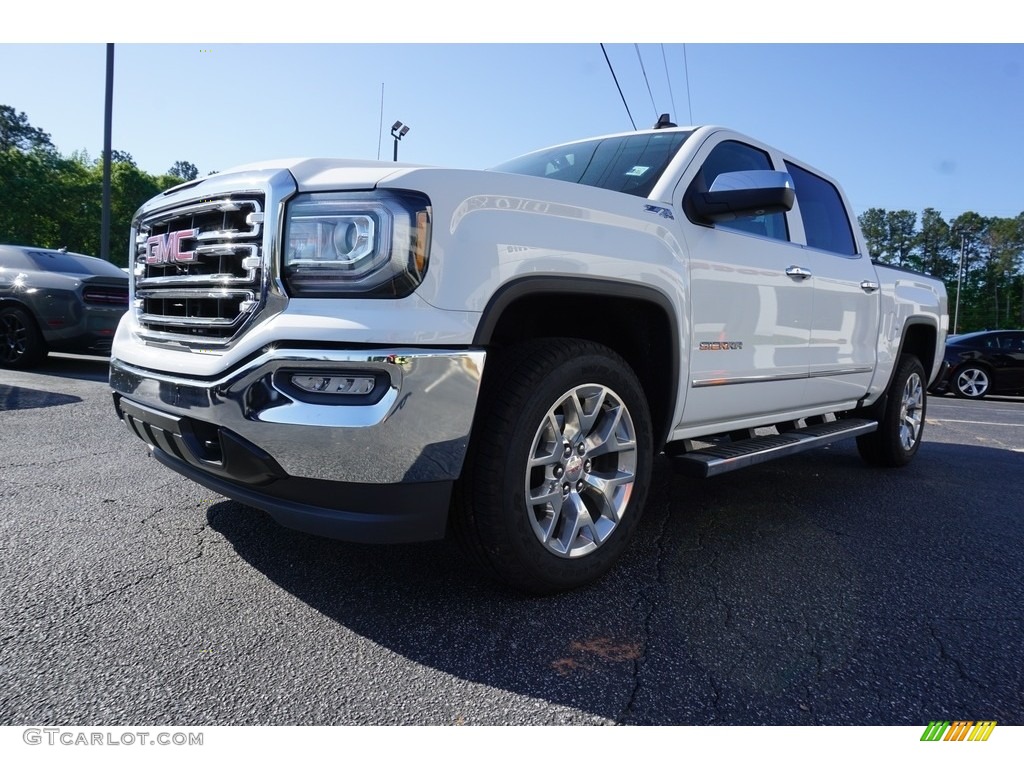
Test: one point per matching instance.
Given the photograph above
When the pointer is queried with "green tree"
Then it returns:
(933, 246)
(183, 170)
(901, 228)
(17, 133)
(1004, 241)
(966, 233)
(872, 224)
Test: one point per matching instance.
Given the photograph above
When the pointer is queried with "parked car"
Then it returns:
(56, 300)
(983, 363)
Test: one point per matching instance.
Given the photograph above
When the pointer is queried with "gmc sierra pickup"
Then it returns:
(383, 353)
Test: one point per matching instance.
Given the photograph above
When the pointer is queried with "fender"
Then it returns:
(911, 322)
(535, 285)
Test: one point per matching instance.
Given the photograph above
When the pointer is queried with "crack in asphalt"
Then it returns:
(55, 462)
(647, 613)
(166, 568)
(944, 656)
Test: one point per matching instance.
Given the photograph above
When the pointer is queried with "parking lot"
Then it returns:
(810, 590)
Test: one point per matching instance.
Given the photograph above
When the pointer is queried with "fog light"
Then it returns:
(334, 385)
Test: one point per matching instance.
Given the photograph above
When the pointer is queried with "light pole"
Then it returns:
(105, 199)
(398, 130)
(959, 283)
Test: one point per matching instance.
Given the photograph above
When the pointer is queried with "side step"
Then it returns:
(708, 462)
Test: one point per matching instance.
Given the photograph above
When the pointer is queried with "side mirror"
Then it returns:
(745, 193)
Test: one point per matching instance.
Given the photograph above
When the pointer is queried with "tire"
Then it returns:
(900, 418)
(972, 382)
(21, 344)
(558, 465)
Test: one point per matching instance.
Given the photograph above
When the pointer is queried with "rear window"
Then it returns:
(13, 260)
(825, 221)
(72, 263)
(630, 164)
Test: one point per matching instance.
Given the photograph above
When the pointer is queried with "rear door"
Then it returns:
(845, 315)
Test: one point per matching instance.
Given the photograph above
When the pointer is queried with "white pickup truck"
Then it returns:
(381, 352)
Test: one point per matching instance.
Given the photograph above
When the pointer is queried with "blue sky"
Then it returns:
(900, 125)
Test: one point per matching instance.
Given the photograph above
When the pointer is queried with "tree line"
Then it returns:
(53, 200)
(983, 256)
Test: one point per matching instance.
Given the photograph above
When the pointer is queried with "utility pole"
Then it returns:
(107, 113)
(959, 283)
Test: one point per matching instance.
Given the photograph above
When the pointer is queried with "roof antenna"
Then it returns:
(664, 122)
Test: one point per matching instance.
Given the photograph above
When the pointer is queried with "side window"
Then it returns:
(1011, 342)
(734, 156)
(825, 221)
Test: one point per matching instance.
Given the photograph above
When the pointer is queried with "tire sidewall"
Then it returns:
(542, 568)
(893, 415)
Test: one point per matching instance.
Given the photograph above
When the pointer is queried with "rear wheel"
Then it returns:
(971, 382)
(558, 465)
(900, 418)
(21, 344)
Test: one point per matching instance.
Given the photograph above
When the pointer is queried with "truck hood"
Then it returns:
(329, 173)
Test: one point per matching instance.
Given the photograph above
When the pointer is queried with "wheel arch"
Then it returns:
(920, 338)
(636, 321)
(9, 302)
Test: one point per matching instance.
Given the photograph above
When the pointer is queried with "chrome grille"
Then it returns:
(198, 267)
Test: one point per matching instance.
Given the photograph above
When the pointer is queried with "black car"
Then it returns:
(983, 363)
(55, 300)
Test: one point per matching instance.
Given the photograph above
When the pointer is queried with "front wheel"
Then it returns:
(900, 418)
(558, 465)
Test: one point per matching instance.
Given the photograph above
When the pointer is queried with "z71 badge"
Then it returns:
(719, 346)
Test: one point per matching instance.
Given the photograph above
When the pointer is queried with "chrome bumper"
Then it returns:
(417, 431)
(318, 463)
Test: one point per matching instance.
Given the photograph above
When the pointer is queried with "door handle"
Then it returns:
(798, 272)
(868, 286)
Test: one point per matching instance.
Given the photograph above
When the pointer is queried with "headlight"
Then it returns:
(354, 243)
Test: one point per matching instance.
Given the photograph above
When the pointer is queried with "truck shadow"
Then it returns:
(82, 367)
(747, 599)
(23, 398)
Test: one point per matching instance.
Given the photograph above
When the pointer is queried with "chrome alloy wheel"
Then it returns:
(581, 470)
(972, 382)
(911, 412)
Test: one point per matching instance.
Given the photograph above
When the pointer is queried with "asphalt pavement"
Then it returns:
(809, 590)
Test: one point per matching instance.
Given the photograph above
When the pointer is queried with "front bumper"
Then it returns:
(372, 469)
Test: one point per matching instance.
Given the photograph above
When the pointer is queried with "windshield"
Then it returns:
(630, 164)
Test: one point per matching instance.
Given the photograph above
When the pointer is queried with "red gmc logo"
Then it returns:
(166, 249)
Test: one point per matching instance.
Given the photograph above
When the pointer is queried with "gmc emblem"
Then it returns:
(166, 249)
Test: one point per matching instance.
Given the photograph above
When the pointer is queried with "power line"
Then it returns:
(672, 96)
(686, 70)
(380, 128)
(653, 105)
(612, 69)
